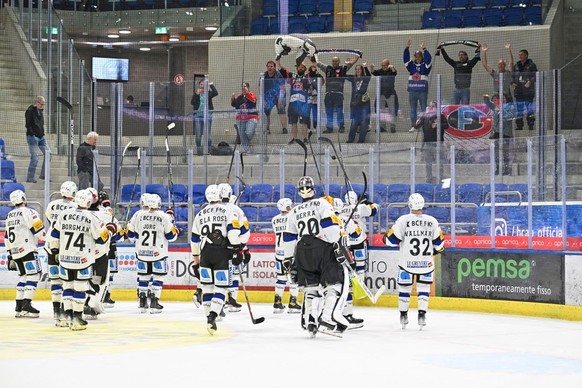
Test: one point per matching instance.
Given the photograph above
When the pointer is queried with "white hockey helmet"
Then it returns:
(212, 193)
(68, 189)
(338, 205)
(143, 200)
(351, 198)
(83, 198)
(306, 187)
(17, 197)
(284, 204)
(224, 190)
(153, 201)
(415, 201)
(94, 194)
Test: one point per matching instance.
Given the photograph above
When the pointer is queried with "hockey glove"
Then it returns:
(112, 228)
(237, 257)
(170, 212)
(247, 256)
(293, 273)
(339, 254)
(11, 263)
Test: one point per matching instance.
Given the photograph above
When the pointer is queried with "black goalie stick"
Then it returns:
(241, 191)
(118, 183)
(467, 42)
(302, 144)
(126, 218)
(69, 107)
(339, 160)
(169, 162)
(314, 158)
(258, 320)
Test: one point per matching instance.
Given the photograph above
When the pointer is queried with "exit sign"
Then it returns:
(54, 30)
(161, 30)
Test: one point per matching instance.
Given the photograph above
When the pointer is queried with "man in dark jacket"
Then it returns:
(35, 136)
(85, 162)
(524, 79)
(202, 102)
(463, 70)
(388, 73)
(428, 123)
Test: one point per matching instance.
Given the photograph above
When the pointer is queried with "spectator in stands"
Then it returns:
(418, 69)
(275, 93)
(501, 69)
(130, 101)
(298, 110)
(428, 123)
(524, 78)
(86, 162)
(335, 76)
(313, 75)
(199, 103)
(247, 116)
(388, 73)
(360, 103)
(463, 69)
(35, 137)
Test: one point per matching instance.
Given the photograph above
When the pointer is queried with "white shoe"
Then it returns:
(412, 129)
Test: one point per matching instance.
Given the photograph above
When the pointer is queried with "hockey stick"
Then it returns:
(169, 161)
(233, 153)
(339, 159)
(314, 158)
(126, 218)
(258, 320)
(302, 144)
(242, 190)
(373, 297)
(118, 184)
(69, 107)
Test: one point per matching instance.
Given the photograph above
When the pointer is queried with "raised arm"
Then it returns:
(484, 49)
(511, 61)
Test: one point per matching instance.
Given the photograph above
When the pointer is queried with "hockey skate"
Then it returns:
(354, 323)
(197, 297)
(278, 307)
(62, 320)
(421, 319)
(18, 308)
(155, 306)
(78, 323)
(211, 323)
(90, 313)
(143, 302)
(233, 305)
(404, 319)
(329, 328)
(27, 310)
(107, 301)
(293, 307)
(311, 327)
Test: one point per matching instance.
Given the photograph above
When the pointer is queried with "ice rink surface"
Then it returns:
(125, 348)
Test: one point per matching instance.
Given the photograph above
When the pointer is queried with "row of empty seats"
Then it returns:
(7, 171)
(474, 193)
(480, 4)
(490, 17)
(314, 7)
(303, 24)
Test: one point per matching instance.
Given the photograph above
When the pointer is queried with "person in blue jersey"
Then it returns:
(418, 68)
(298, 110)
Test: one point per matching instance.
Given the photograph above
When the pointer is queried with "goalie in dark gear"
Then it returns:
(306, 188)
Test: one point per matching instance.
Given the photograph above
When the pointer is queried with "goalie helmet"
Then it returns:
(284, 204)
(212, 193)
(224, 190)
(415, 201)
(351, 198)
(83, 198)
(306, 187)
(68, 189)
(338, 205)
(17, 197)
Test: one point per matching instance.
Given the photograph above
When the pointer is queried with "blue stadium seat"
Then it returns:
(293, 7)
(319, 190)
(522, 188)
(498, 187)
(452, 19)
(251, 212)
(398, 192)
(426, 190)
(266, 214)
(159, 189)
(132, 211)
(442, 214)
(180, 192)
(181, 214)
(126, 193)
(270, 8)
(260, 26)
(335, 191)
(325, 7)
(2, 149)
(7, 173)
(439, 5)
(466, 214)
(245, 195)
(4, 210)
(442, 194)
(472, 18)
(499, 3)
(380, 193)
(329, 23)
(431, 19)
(364, 7)
(471, 193)
(480, 4)
(290, 192)
(316, 23)
(459, 4)
(533, 16)
(358, 23)
(307, 7)
(297, 24)
(492, 17)
(519, 3)
(9, 187)
(274, 27)
(535, 3)
(261, 192)
(198, 190)
(513, 16)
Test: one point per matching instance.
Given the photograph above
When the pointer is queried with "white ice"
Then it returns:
(125, 348)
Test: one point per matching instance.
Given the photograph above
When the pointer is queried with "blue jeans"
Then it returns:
(462, 96)
(415, 98)
(199, 130)
(334, 104)
(246, 129)
(34, 143)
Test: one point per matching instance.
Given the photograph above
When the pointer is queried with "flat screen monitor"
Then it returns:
(110, 69)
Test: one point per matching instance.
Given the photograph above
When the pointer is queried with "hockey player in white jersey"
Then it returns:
(23, 229)
(215, 240)
(314, 235)
(282, 263)
(152, 230)
(419, 237)
(113, 263)
(225, 191)
(53, 209)
(77, 235)
(356, 229)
